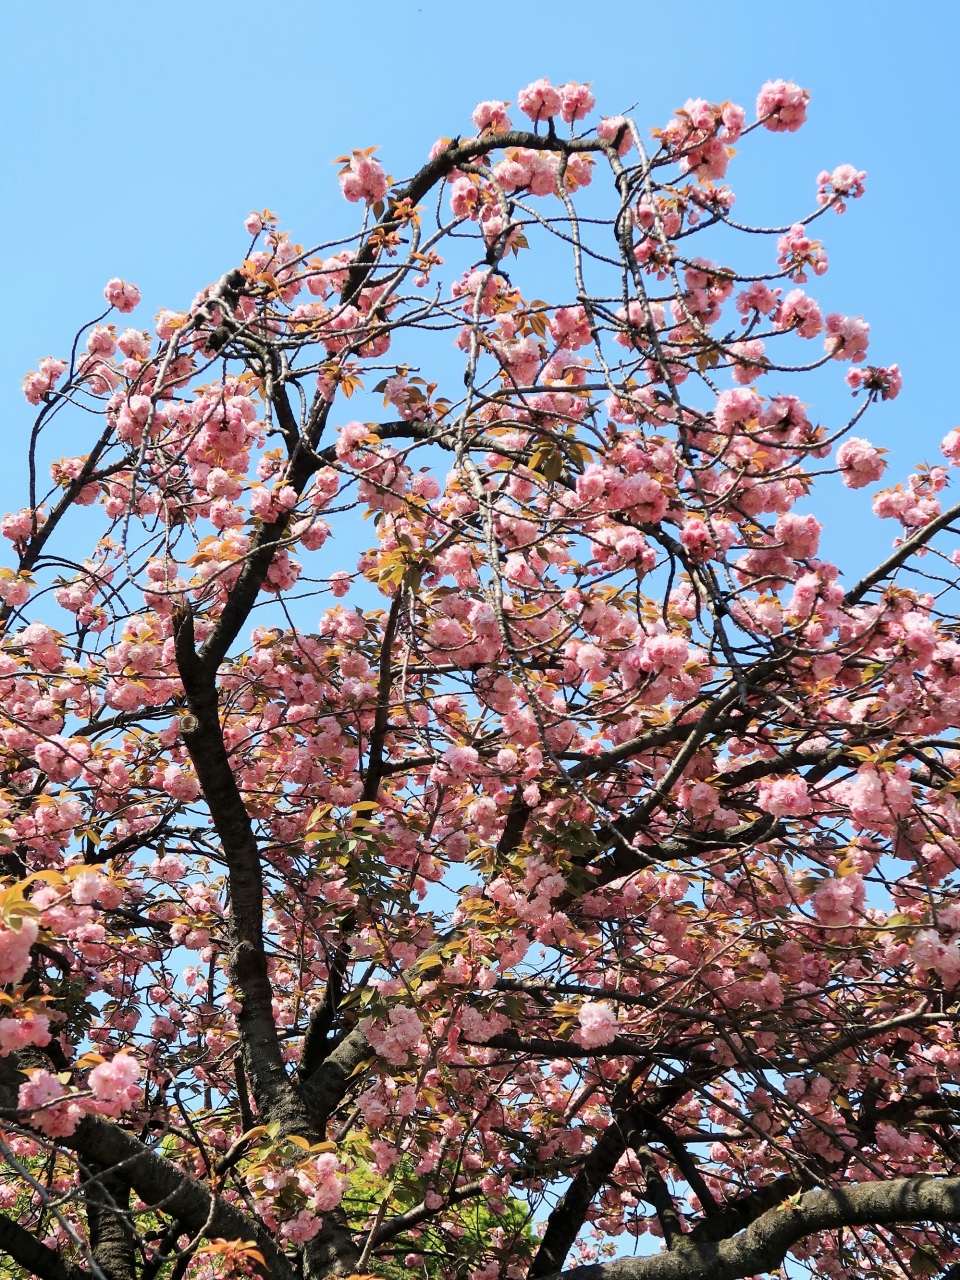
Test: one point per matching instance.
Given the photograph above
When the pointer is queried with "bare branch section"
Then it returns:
(765, 1244)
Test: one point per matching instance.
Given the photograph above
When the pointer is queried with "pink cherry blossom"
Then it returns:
(844, 182)
(748, 361)
(734, 118)
(838, 899)
(878, 796)
(757, 297)
(800, 312)
(18, 1032)
(114, 1081)
(612, 127)
(736, 408)
(363, 179)
(784, 797)
(38, 385)
(796, 251)
(539, 100)
(598, 1024)
(42, 1088)
(782, 106)
(301, 1228)
(88, 887)
(847, 337)
(860, 463)
(15, 944)
(888, 383)
(491, 116)
(36, 1096)
(125, 297)
(576, 101)
(950, 446)
(397, 1037)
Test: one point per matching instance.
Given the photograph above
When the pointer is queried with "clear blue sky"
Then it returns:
(136, 136)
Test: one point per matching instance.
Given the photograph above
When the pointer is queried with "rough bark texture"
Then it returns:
(325, 1089)
(111, 1239)
(32, 1254)
(276, 1096)
(765, 1244)
(333, 1251)
(163, 1186)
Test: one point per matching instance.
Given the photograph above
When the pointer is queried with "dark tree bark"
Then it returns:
(111, 1237)
(765, 1244)
(29, 1252)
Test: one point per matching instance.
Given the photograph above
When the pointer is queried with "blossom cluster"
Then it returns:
(508, 736)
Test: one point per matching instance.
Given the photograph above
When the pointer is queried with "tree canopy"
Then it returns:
(453, 820)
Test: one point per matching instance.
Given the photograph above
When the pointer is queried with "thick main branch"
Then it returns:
(766, 1243)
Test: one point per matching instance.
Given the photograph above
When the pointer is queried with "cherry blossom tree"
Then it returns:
(557, 868)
